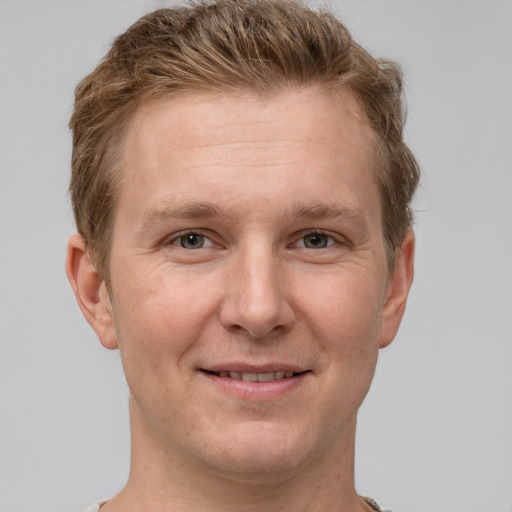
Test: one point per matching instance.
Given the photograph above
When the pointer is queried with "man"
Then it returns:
(242, 194)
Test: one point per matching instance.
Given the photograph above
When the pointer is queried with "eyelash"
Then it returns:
(331, 240)
(177, 240)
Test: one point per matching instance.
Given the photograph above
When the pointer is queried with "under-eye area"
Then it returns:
(255, 377)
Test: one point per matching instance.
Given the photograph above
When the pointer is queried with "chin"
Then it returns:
(259, 450)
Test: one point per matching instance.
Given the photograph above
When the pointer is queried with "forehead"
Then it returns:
(307, 114)
(196, 140)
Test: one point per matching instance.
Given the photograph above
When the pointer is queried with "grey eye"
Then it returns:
(192, 241)
(316, 241)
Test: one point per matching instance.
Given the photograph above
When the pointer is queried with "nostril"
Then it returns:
(255, 304)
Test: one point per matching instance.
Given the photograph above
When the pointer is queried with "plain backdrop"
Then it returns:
(435, 433)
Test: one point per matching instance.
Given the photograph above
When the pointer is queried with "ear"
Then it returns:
(90, 291)
(398, 289)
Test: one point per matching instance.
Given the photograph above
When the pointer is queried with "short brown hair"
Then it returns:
(255, 45)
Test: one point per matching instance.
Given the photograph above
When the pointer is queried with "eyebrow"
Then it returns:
(180, 210)
(318, 211)
(204, 210)
(353, 213)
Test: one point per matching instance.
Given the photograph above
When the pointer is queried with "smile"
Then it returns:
(254, 377)
(248, 382)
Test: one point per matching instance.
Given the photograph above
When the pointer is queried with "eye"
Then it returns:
(193, 241)
(316, 241)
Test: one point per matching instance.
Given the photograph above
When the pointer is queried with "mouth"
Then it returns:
(255, 377)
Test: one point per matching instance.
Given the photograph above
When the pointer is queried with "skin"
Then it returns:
(285, 267)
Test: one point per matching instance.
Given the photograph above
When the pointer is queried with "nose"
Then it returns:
(257, 297)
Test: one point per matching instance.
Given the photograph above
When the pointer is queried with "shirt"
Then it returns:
(372, 503)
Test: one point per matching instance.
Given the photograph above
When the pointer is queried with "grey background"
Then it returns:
(435, 433)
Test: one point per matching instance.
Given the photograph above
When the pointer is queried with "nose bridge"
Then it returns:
(256, 300)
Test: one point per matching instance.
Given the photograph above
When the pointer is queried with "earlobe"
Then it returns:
(90, 291)
(398, 290)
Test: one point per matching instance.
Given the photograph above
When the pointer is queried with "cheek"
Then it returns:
(346, 319)
(346, 314)
(160, 314)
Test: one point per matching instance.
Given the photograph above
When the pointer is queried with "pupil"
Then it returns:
(192, 241)
(316, 240)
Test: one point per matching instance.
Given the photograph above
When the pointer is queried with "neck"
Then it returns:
(162, 479)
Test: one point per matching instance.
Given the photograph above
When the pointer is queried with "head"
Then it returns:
(243, 195)
(262, 47)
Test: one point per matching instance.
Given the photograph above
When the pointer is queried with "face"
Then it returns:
(249, 287)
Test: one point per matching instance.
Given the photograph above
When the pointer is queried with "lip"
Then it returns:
(269, 390)
(235, 366)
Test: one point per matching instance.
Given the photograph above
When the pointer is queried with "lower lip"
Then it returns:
(257, 390)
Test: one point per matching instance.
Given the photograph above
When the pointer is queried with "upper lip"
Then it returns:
(254, 368)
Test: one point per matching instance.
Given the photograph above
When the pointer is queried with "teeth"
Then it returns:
(266, 377)
(256, 377)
